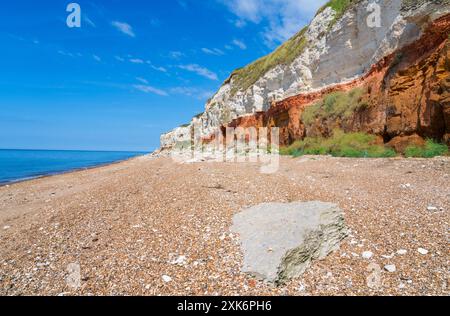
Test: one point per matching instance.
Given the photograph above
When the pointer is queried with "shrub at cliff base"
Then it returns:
(357, 145)
(430, 150)
(335, 105)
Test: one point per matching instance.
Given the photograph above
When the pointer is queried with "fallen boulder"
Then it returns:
(279, 241)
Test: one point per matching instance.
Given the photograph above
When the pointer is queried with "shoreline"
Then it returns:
(57, 173)
(128, 224)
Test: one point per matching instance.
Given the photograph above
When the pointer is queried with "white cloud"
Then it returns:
(240, 23)
(197, 93)
(283, 18)
(214, 51)
(119, 58)
(97, 58)
(158, 68)
(150, 89)
(201, 71)
(64, 53)
(88, 21)
(124, 28)
(240, 44)
(161, 69)
(176, 55)
(142, 80)
(136, 61)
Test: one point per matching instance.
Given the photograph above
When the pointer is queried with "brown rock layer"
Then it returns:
(407, 92)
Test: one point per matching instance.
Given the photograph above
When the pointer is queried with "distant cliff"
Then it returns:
(391, 79)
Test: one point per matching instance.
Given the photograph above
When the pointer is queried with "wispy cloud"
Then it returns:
(283, 17)
(88, 21)
(240, 44)
(64, 53)
(124, 28)
(176, 55)
(197, 93)
(158, 68)
(97, 58)
(136, 61)
(199, 70)
(119, 58)
(213, 51)
(149, 89)
(142, 80)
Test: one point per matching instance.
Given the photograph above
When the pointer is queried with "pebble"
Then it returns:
(6, 227)
(402, 252)
(422, 251)
(390, 268)
(180, 261)
(432, 209)
(301, 287)
(367, 254)
(166, 278)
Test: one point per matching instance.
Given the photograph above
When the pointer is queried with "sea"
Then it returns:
(20, 165)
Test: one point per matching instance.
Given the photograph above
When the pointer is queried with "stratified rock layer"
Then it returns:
(403, 66)
(279, 241)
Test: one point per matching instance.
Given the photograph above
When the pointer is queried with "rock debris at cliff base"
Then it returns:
(149, 227)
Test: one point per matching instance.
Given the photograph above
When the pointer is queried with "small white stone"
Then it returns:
(422, 251)
(402, 252)
(388, 256)
(301, 287)
(6, 227)
(432, 209)
(180, 261)
(367, 254)
(390, 268)
(166, 278)
(147, 287)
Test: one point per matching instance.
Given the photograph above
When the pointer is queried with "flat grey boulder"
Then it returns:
(279, 241)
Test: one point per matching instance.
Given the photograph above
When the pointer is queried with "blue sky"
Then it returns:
(134, 70)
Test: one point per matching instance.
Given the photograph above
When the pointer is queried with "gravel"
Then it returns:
(146, 213)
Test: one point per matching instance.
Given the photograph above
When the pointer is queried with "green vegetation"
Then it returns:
(356, 145)
(335, 105)
(339, 6)
(430, 150)
(285, 54)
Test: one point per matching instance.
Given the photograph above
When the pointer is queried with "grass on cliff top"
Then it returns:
(338, 6)
(245, 77)
(430, 150)
(335, 105)
(354, 145)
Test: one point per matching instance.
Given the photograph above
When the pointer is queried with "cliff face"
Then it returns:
(392, 80)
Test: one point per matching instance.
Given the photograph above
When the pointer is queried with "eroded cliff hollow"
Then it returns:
(391, 79)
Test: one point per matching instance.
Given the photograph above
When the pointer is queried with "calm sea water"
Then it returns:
(16, 165)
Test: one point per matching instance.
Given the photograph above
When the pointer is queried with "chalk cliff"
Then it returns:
(396, 72)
